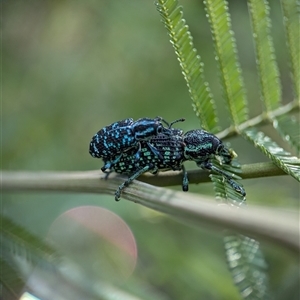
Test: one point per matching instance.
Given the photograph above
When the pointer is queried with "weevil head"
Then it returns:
(226, 154)
(201, 145)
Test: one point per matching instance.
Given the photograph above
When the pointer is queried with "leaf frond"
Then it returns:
(18, 242)
(244, 257)
(289, 129)
(265, 54)
(247, 265)
(291, 12)
(226, 55)
(11, 284)
(224, 191)
(190, 63)
(283, 159)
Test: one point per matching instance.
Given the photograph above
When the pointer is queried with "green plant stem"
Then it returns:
(271, 224)
(172, 178)
(264, 118)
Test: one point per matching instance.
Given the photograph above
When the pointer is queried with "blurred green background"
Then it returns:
(70, 68)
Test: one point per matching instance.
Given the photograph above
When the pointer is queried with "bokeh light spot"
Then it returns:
(98, 240)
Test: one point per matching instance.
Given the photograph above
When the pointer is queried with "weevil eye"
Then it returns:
(160, 129)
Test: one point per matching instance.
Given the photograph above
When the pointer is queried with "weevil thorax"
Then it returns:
(200, 145)
(146, 128)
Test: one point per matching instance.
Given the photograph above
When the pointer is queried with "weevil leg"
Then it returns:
(106, 166)
(155, 151)
(209, 166)
(107, 174)
(185, 180)
(129, 180)
(110, 164)
(236, 187)
(138, 153)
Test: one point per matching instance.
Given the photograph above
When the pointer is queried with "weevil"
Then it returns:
(113, 140)
(172, 149)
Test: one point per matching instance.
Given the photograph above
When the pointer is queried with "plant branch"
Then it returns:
(171, 178)
(264, 118)
(23, 180)
(271, 224)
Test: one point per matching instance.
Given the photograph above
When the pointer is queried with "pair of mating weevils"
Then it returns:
(134, 147)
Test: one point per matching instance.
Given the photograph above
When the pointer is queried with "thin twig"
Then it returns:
(257, 170)
(16, 180)
(264, 118)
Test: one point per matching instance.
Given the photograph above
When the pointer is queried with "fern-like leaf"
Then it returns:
(11, 284)
(289, 129)
(247, 266)
(18, 242)
(245, 260)
(27, 253)
(226, 55)
(223, 190)
(190, 62)
(265, 55)
(283, 159)
(291, 12)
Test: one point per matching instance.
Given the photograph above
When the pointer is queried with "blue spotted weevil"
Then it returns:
(133, 148)
(113, 140)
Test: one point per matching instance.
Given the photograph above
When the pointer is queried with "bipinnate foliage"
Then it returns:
(244, 256)
(245, 270)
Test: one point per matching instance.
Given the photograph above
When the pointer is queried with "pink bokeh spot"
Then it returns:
(99, 234)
